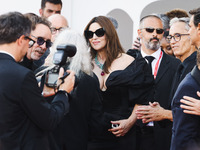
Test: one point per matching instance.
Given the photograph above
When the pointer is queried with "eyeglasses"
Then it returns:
(151, 30)
(40, 41)
(99, 32)
(177, 37)
(31, 41)
(54, 30)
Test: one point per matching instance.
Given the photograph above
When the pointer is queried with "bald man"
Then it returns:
(58, 23)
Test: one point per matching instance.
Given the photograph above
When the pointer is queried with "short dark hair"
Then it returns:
(43, 2)
(179, 13)
(196, 13)
(35, 19)
(149, 16)
(12, 26)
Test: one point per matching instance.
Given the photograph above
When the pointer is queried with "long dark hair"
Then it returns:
(113, 46)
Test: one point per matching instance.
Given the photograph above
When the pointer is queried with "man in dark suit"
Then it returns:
(193, 105)
(25, 117)
(183, 49)
(156, 133)
(186, 132)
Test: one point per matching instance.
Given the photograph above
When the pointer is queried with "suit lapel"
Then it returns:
(196, 73)
(164, 65)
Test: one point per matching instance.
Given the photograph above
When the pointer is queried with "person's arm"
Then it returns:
(136, 44)
(191, 105)
(124, 125)
(43, 114)
(153, 112)
(185, 126)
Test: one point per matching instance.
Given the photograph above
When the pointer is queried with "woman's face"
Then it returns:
(98, 43)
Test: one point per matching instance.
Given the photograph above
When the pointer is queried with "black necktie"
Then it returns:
(150, 59)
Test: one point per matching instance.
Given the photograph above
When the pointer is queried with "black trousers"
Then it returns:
(145, 138)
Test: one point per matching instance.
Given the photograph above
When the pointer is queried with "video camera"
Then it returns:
(59, 59)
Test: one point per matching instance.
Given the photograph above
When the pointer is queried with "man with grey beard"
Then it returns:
(40, 38)
(155, 132)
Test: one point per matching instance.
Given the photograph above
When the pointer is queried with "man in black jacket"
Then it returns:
(25, 117)
(41, 38)
(155, 134)
(183, 49)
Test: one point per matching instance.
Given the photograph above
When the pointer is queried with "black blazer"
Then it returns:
(161, 92)
(186, 131)
(25, 117)
(163, 85)
(188, 64)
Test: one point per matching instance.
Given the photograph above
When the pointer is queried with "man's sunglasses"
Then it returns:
(40, 41)
(151, 30)
(99, 32)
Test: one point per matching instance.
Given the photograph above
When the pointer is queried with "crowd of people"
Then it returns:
(102, 97)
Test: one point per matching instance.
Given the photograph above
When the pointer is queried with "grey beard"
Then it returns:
(152, 45)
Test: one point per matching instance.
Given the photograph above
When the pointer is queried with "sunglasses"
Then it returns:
(151, 30)
(40, 41)
(99, 32)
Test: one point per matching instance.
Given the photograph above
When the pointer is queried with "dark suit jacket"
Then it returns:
(187, 65)
(161, 92)
(186, 131)
(25, 117)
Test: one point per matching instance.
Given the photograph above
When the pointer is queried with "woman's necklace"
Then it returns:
(99, 65)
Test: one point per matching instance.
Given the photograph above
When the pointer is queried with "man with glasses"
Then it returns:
(155, 133)
(186, 131)
(58, 24)
(183, 49)
(25, 116)
(40, 41)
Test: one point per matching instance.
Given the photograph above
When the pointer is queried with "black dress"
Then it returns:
(125, 88)
(85, 118)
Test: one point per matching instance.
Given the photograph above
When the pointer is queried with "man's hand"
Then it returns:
(191, 105)
(153, 112)
(136, 44)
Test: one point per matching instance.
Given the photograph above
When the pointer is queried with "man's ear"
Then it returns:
(41, 11)
(20, 40)
(139, 31)
(198, 28)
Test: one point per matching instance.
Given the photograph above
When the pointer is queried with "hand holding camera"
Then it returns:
(59, 59)
(66, 80)
(58, 78)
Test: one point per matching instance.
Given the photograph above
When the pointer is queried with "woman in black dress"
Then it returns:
(85, 117)
(123, 81)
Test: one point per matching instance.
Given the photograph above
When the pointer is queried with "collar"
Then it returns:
(196, 73)
(2, 51)
(156, 54)
(192, 57)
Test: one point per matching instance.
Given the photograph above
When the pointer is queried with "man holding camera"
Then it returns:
(25, 117)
